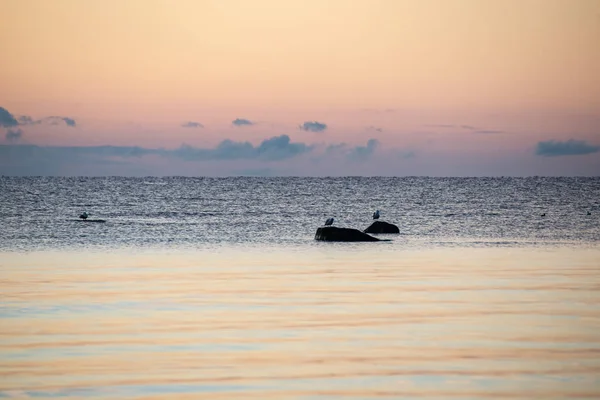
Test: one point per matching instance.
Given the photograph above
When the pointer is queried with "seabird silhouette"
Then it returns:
(329, 222)
(376, 215)
(84, 215)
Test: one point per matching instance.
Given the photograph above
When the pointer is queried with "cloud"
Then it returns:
(358, 153)
(7, 120)
(242, 122)
(14, 135)
(55, 120)
(362, 153)
(272, 149)
(471, 128)
(571, 147)
(313, 126)
(336, 148)
(192, 124)
(480, 131)
(280, 147)
(69, 121)
(27, 120)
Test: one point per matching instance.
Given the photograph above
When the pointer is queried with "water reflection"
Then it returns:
(327, 322)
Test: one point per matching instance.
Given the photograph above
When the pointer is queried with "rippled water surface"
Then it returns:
(215, 288)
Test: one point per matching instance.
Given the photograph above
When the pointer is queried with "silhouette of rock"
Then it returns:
(382, 227)
(335, 234)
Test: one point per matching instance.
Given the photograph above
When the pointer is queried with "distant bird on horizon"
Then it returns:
(329, 221)
(84, 215)
(376, 215)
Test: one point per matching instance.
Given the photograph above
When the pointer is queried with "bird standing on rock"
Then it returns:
(84, 215)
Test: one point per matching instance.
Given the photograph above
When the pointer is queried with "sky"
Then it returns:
(300, 87)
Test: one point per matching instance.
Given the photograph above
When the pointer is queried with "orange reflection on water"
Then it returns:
(463, 323)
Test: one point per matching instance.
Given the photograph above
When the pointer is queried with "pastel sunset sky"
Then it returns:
(300, 87)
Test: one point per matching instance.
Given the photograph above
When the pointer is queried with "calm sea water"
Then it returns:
(215, 288)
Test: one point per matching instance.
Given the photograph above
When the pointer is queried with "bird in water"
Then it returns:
(376, 215)
(84, 215)
(329, 222)
(589, 213)
(543, 215)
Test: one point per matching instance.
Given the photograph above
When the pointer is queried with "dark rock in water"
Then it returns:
(382, 227)
(91, 220)
(335, 234)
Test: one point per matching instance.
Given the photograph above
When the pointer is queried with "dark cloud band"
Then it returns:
(7, 120)
(273, 149)
(313, 126)
(14, 135)
(571, 147)
(192, 124)
(242, 122)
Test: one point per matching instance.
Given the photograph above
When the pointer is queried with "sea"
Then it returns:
(215, 288)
